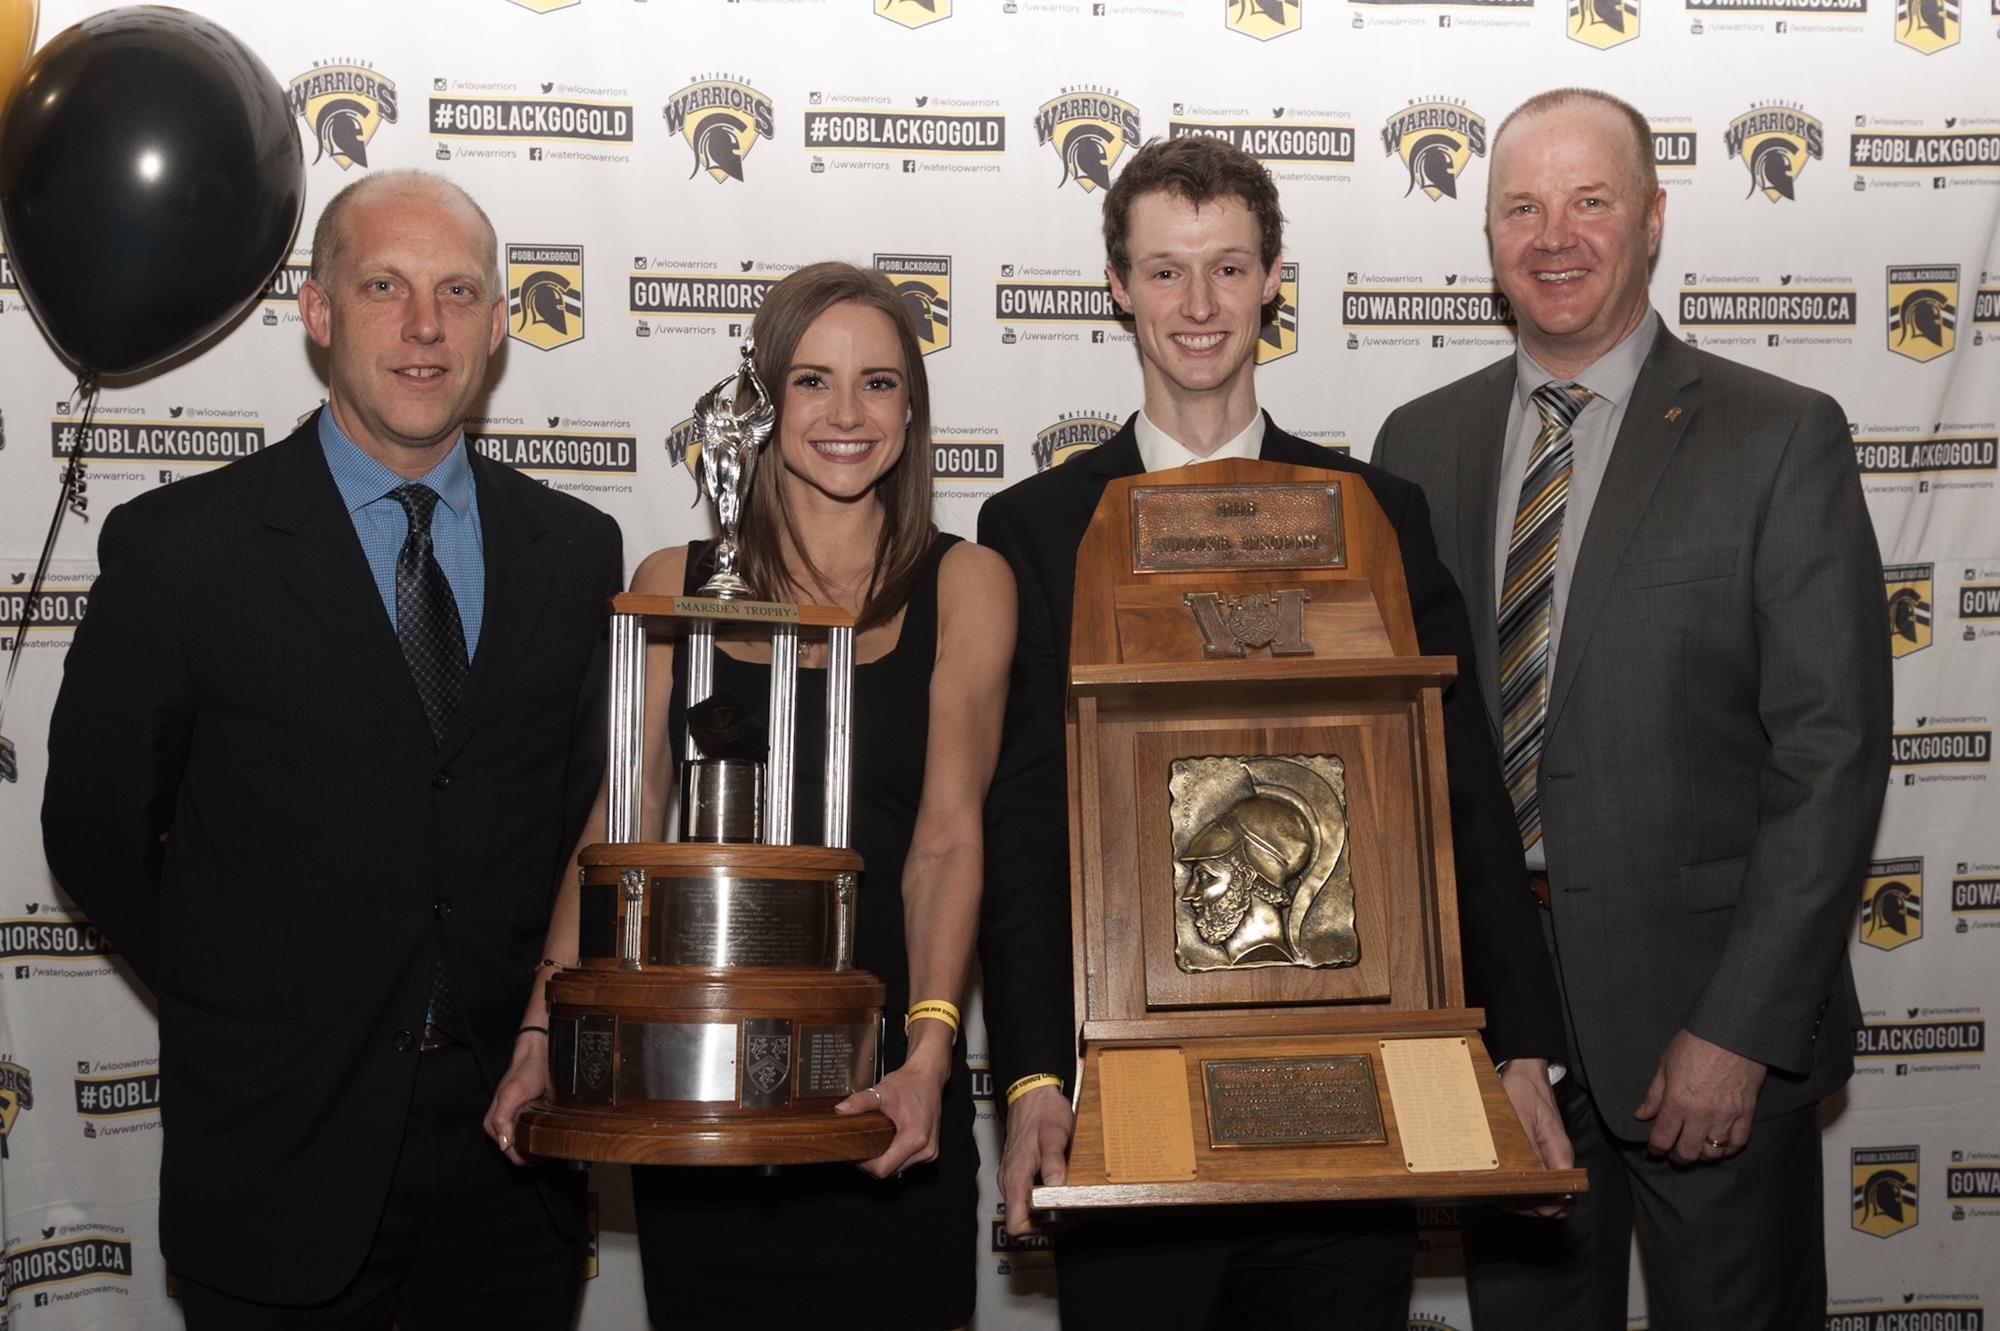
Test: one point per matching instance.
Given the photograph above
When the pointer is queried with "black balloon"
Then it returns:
(150, 184)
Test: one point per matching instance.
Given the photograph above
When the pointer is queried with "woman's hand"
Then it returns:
(912, 1096)
(527, 1079)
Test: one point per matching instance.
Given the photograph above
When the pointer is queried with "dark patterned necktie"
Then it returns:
(1527, 602)
(427, 623)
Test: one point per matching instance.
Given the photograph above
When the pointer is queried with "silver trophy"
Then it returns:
(731, 438)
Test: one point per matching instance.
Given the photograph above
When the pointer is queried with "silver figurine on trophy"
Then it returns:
(731, 438)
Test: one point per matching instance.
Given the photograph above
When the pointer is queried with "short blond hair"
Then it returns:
(1559, 99)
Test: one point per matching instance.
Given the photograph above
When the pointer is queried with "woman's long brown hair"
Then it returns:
(907, 529)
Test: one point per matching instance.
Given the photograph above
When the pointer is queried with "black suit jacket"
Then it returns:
(244, 795)
(1024, 937)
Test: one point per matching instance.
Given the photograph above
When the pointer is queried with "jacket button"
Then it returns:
(405, 1041)
(441, 780)
(441, 910)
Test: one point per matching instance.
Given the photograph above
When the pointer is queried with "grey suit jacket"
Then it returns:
(1718, 732)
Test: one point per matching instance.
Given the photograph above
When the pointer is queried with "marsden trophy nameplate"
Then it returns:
(1261, 862)
(715, 1015)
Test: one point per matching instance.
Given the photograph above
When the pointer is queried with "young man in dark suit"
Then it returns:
(1676, 597)
(325, 737)
(1192, 232)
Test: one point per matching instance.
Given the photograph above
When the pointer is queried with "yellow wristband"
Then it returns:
(936, 1009)
(1034, 1081)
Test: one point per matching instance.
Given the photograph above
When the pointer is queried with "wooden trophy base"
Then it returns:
(615, 1137)
(1231, 1121)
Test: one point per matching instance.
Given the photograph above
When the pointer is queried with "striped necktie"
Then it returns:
(1527, 602)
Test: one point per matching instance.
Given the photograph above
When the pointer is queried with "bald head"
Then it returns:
(1634, 135)
(330, 235)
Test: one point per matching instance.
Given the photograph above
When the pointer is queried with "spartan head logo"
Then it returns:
(924, 283)
(721, 119)
(343, 106)
(1775, 142)
(1262, 19)
(545, 295)
(17, 1092)
(1923, 311)
(1089, 131)
(1435, 141)
(1885, 1190)
(913, 13)
(1603, 23)
(1908, 587)
(1892, 907)
(1279, 337)
(1927, 26)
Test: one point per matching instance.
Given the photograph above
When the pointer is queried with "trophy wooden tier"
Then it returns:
(715, 1016)
(1263, 907)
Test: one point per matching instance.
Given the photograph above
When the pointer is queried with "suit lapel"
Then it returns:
(1478, 505)
(1645, 445)
(517, 585)
(319, 557)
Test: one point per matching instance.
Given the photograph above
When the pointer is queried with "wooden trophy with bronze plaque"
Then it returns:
(715, 1016)
(1263, 899)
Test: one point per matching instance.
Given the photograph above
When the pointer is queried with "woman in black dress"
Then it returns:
(839, 513)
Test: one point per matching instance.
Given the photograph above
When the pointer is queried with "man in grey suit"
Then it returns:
(1677, 618)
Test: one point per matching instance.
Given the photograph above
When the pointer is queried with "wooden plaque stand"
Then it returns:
(1210, 621)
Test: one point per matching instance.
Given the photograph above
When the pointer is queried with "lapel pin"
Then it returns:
(1673, 413)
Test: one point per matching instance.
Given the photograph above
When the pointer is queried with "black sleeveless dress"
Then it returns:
(828, 1246)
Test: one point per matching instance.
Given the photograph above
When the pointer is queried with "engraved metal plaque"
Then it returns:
(1260, 873)
(677, 1061)
(594, 1058)
(597, 920)
(744, 922)
(1229, 528)
(766, 1081)
(1291, 1101)
(836, 1060)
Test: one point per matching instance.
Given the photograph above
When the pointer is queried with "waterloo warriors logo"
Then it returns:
(1923, 310)
(1775, 142)
(1885, 1189)
(684, 447)
(1089, 129)
(1908, 587)
(721, 119)
(1262, 19)
(343, 104)
(545, 295)
(1892, 903)
(913, 13)
(17, 1092)
(1280, 335)
(1927, 26)
(1435, 139)
(924, 282)
(1077, 432)
(1603, 23)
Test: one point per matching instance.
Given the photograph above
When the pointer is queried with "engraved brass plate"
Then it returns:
(1229, 528)
(754, 612)
(1329, 1099)
(1260, 874)
(837, 1060)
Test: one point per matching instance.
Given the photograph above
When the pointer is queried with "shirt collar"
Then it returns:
(362, 480)
(1160, 451)
(1611, 376)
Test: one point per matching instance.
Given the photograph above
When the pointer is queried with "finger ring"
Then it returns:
(503, 1141)
(877, 1093)
(1713, 1143)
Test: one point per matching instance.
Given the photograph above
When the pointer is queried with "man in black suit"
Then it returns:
(324, 739)
(1675, 590)
(1192, 230)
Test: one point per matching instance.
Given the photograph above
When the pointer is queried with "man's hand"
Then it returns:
(1701, 1101)
(527, 1079)
(1526, 1081)
(1039, 1125)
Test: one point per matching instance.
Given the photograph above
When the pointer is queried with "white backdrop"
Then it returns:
(925, 135)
